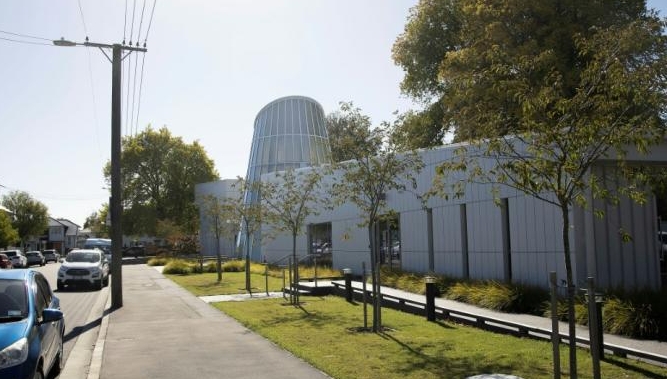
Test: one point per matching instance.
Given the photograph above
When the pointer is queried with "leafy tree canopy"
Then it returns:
(159, 172)
(347, 128)
(96, 222)
(30, 216)
(8, 235)
(480, 60)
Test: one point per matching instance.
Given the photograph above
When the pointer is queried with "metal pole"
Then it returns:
(593, 332)
(116, 205)
(347, 274)
(555, 334)
(430, 298)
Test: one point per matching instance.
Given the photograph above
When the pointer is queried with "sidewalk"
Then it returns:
(163, 331)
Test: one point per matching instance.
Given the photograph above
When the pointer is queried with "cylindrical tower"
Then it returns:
(289, 133)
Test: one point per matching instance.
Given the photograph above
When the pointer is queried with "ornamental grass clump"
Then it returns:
(629, 318)
(178, 267)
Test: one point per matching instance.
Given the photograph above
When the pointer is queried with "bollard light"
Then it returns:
(429, 279)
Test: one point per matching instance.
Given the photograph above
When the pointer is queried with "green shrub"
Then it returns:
(179, 267)
(158, 261)
(235, 265)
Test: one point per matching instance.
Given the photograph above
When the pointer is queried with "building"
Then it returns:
(517, 239)
(62, 235)
(221, 189)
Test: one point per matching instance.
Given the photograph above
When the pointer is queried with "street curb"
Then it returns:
(96, 358)
(79, 362)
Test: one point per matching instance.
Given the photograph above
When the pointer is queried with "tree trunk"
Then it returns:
(570, 291)
(296, 270)
(247, 261)
(371, 240)
(219, 258)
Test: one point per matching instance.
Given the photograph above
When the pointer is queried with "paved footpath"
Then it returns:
(163, 331)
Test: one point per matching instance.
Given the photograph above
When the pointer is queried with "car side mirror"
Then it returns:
(51, 315)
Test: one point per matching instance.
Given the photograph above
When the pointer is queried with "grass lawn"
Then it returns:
(232, 283)
(324, 331)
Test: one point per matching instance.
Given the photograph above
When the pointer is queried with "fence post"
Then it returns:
(430, 297)
(594, 326)
(347, 273)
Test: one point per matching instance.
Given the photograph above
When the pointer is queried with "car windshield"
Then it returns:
(10, 253)
(76, 256)
(13, 300)
(31, 254)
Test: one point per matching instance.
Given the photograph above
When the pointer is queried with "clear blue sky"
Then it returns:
(210, 67)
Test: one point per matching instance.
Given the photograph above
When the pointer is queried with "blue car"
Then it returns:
(31, 326)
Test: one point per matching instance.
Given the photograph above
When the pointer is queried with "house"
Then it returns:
(62, 235)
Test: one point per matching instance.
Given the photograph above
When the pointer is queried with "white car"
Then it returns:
(17, 257)
(84, 267)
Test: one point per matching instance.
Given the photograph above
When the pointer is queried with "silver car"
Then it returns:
(17, 257)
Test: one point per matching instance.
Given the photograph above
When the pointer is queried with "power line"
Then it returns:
(26, 42)
(82, 19)
(150, 22)
(125, 23)
(134, 8)
(141, 82)
(25, 35)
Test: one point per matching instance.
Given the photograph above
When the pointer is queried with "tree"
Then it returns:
(346, 128)
(472, 57)
(249, 213)
(159, 172)
(377, 168)
(286, 204)
(8, 235)
(30, 217)
(562, 122)
(96, 222)
(222, 224)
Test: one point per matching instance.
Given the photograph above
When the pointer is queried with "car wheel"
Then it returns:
(99, 284)
(60, 286)
(106, 281)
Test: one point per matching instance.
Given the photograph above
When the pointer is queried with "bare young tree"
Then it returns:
(377, 168)
(287, 202)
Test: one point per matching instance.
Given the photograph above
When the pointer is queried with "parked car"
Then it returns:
(31, 326)
(84, 267)
(662, 237)
(5, 262)
(17, 257)
(50, 255)
(35, 258)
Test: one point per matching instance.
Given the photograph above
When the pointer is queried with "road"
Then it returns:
(82, 308)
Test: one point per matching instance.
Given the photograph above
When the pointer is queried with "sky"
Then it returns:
(210, 67)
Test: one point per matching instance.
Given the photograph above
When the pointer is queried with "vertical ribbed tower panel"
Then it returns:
(289, 133)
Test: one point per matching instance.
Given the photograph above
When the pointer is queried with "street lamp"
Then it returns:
(115, 207)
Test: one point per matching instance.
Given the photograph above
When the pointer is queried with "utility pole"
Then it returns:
(115, 202)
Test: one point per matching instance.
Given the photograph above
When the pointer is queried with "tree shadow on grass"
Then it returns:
(627, 365)
(432, 357)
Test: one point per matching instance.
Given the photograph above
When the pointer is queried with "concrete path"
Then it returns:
(163, 331)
